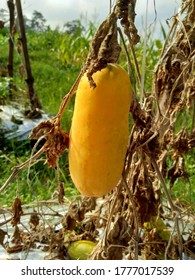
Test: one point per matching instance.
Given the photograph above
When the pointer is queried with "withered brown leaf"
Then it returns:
(61, 193)
(34, 220)
(104, 47)
(56, 140)
(2, 236)
(16, 211)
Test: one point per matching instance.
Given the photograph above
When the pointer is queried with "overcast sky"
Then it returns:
(57, 12)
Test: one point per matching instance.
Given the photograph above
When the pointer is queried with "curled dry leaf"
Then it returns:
(61, 193)
(120, 232)
(34, 220)
(181, 143)
(2, 236)
(68, 222)
(177, 171)
(147, 197)
(17, 237)
(125, 11)
(118, 238)
(16, 211)
(56, 140)
(104, 47)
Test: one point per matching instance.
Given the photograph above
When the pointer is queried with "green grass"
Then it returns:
(43, 181)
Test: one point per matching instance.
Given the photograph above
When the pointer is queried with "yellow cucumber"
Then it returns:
(99, 131)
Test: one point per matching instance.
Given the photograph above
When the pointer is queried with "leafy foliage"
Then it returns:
(37, 23)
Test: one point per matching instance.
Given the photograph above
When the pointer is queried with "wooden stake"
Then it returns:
(35, 103)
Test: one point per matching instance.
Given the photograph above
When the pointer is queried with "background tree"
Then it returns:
(74, 27)
(38, 22)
